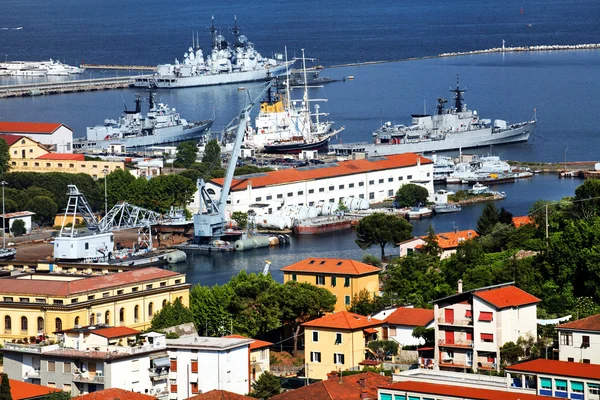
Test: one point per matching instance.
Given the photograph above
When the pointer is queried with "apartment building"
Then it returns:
(471, 326)
(399, 325)
(342, 277)
(54, 136)
(579, 341)
(260, 357)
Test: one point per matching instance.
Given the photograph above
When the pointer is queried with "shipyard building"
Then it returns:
(375, 179)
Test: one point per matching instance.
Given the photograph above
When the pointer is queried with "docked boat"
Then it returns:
(446, 208)
(315, 226)
(419, 213)
(479, 188)
(224, 65)
(39, 68)
(449, 129)
(7, 253)
(161, 125)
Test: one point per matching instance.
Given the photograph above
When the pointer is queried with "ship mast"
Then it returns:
(458, 96)
(213, 31)
(305, 101)
(236, 32)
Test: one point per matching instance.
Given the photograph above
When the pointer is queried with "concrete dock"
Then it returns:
(79, 85)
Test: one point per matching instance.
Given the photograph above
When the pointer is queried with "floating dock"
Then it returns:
(79, 85)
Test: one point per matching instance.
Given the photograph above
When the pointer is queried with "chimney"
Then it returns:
(364, 395)
(460, 286)
(332, 376)
(362, 380)
(369, 318)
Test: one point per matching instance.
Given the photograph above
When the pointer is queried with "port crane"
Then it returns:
(210, 222)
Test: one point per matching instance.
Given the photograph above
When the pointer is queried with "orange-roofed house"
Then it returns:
(520, 221)
(338, 341)
(336, 387)
(114, 394)
(448, 242)
(471, 326)
(373, 179)
(400, 323)
(579, 341)
(343, 277)
(56, 136)
(259, 357)
(220, 395)
(20, 390)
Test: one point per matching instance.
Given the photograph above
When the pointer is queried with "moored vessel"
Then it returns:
(315, 226)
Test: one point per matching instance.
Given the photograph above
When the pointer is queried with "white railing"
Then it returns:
(458, 322)
(31, 348)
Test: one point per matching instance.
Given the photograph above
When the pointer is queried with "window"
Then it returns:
(392, 331)
(92, 319)
(290, 194)
(585, 342)
(58, 324)
(371, 182)
(560, 384)
(428, 174)
(566, 339)
(51, 384)
(381, 181)
(135, 365)
(67, 367)
(576, 387)
(311, 191)
(341, 187)
(23, 299)
(487, 337)
(486, 316)
(107, 317)
(136, 313)
(122, 315)
(67, 387)
(338, 338)
(40, 324)
(361, 183)
(338, 358)
(280, 196)
(25, 163)
(76, 320)
(148, 287)
(347, 281)
(390, 193)
(315, 356)
(7, 323)
(320, 280)
(120, 291)
(269, 197)
(94, 166)
(315, 336)
(37, 164)
(229, 377)
(194, 387)
(177, 281)
(106, 294)
(47, 164)
(586, 360)
(294, 277)
(164, 303)
(409, 177)
(71, 165)
(258, 199)
(75, 300)
(40, 301)
(390, 179)
(23, 323)
(59, 165)
(150, 309)
(347, 300)
(163, 284)
(82, 165)
(332, 200)
(51, 366)
(333, 281)
(371, 195)
(8, 299)
(91, 297)
(135, 289)
(570, 359)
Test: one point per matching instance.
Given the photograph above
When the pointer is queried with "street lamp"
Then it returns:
(3, 183)
(105, 197)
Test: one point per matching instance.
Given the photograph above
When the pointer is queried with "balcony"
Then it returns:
(449, 363)
(31, 348)
(455, 322)
(464, 344)
(91, 378)
(32, 373)
(158, 373)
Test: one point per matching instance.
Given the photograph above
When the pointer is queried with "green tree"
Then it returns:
(302, 302)
(371, 260)
(342, 208)
(510, 353)
(381, 229)
(57, 396)
(587, 199)
(505, 217)
(186, 155)
(410, 195)
(45, 209)
(5, 385)
(162, 192)
(241, 218)
(383, 348)
(431, 246)
(4, 157)
(266, 386)
(209, 306)
(427, 334)
(18, 228)
(489, 217)
(212, 154)
(362, 303)
(117, 186)
(172, 314)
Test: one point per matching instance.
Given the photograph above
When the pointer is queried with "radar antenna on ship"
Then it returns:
(440, 106)
(236, 30)
(458, 96)
(213, 31)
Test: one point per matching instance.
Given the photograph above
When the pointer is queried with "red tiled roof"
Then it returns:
(520, 221)
(410, 317)
(257, 344)
(58, 288)
(344, 320)
(116, 332)
(451, 240)
(350, 388)
(30, 127)
(332, 265)
(591, 323)
(11, 139)
(22, 390)
(339, 169)
(220, 395)
(62, 156)
(560, 368)
(461, 392)
(114, 394)
(506, 296)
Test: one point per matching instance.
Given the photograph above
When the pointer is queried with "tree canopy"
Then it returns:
(212, 153)
(490, 216)
(18, 228)
(410, 195)
(381, 229)
(266, 386)
(172, 314)
(4, 157)
(45, 209)
(186, 155)
(5, 386)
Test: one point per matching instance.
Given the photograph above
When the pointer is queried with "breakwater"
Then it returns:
(80, 85)
(121, 67)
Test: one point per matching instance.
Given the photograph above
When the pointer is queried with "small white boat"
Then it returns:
(419, 213)
(478, 188)
(446, 208)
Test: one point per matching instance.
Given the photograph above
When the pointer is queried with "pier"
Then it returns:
(122, 67)
(80, 85)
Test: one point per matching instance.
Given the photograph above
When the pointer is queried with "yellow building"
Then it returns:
(338, 341)
(344, 278)
(27, 155)
(40, 304)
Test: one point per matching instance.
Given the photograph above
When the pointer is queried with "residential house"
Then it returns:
(55, 136)
(93, 358)
(37, 305)
(7, 220)
(343, 277)
(522, 220)
(471, 326)
(579, 341)
(220, 395)
(200, 364)
(114, 394)
(339, 387)
(338, 341)
(259, 357)
(448, 242)
(399, 325)
(28, 391)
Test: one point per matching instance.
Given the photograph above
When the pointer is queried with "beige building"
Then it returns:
(342, 277)
(53, 135)
(338, 341)
(38, 305)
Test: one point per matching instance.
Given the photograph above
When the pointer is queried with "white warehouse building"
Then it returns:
(56, 136)
(375, 179)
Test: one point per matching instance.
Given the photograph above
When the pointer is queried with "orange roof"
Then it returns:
(461, 392)
(30, 127)
(332, 266)
(520, 221)
(324, 171)
(58, 288)
(62, 156)
(560, 368)
(22, 390)
(351, 387)
(343, 320)
(591, 323)
(451, 240)
(114, 394)
(220, 395)
(116, 332)
(410, 317)
(506, 296)
(11, 139)
(257, 344)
